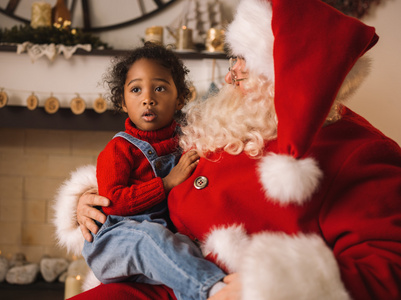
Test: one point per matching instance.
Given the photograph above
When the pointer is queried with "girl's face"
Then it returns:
(150, 95)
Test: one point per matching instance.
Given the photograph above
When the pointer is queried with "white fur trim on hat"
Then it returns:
(289, 180)
(250, 35)
(68, 233)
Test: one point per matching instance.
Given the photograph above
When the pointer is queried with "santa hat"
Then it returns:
(306, 48)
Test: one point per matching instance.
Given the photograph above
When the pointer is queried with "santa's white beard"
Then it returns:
(231, 121)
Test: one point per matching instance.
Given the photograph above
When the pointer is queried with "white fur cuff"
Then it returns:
(279, 266)
(68, 233)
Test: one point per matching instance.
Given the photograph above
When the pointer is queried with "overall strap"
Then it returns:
(145, 147)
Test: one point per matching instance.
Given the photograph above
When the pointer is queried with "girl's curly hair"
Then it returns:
(116, 77)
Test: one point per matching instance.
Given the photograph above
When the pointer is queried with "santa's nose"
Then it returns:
(228, 78)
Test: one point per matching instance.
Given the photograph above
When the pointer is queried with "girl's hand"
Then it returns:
(232, 291)
(87, 213)
(181, 171)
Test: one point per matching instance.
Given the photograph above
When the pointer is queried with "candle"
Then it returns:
(184, 38)
(154, 34)
(41, 14)
(72, 286)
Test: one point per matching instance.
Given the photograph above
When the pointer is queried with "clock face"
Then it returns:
(93, 15)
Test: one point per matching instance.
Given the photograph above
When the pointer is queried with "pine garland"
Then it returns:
(48, 35)
(66, 36)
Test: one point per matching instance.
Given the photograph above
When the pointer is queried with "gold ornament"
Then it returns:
(215, 40)
(3, 99)
(77, 105)
(52, 105)
(32, 102)
(100, 105)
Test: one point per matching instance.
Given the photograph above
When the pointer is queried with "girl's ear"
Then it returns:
(124, 106)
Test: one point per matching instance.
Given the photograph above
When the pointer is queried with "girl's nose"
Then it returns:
(148, 101)
(147, 98)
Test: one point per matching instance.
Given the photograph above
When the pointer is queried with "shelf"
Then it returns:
(64, 119)
(112, 52)
(12, 116)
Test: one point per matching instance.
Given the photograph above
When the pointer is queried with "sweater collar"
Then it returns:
(151, 136)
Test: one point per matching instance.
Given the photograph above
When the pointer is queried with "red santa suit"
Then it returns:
(355, 213)
(318, 216)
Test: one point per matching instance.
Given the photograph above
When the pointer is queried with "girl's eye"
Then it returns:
(160, 89)
(135, 90)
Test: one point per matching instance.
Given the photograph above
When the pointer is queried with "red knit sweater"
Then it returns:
(125, 176)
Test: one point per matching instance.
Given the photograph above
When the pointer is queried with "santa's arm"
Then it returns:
(361, 219)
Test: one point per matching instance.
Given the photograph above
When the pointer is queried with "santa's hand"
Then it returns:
(87, 213)
(232, 291)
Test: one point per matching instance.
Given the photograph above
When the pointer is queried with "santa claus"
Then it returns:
(294, 192)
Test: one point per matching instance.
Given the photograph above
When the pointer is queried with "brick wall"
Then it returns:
(33, 164)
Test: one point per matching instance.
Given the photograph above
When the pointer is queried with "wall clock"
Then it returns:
(94, 15)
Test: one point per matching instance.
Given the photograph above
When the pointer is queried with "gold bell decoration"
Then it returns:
(32, 102)
(3, 98)
(100, 105)
(215, 40)
(52, 105)
(77, 105)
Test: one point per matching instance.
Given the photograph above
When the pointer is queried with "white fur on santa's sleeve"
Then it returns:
(279, 266)
(90, 281)
(288, 180)
(68, 233)
(227, 244)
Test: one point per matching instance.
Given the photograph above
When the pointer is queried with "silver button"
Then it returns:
(200, 182)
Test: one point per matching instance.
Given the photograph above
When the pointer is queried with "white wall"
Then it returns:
(378, 100)
(82, 74)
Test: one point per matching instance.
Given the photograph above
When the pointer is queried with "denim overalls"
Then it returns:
(141, 249)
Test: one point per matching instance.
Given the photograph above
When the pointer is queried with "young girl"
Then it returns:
(136, 171)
